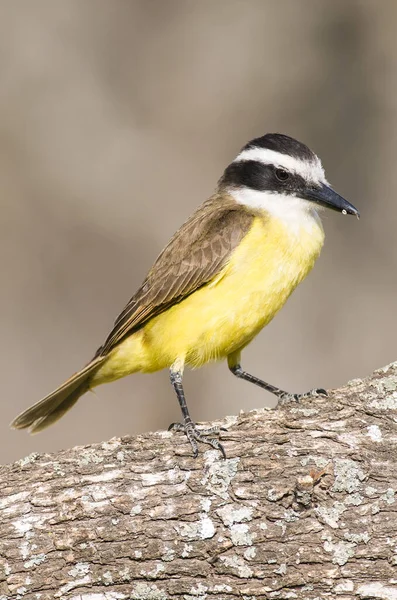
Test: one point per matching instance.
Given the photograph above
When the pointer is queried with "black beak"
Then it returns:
(325, 196)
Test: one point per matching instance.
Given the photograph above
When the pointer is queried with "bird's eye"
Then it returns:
(282, 174)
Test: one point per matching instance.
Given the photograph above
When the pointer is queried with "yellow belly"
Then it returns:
(226, 315)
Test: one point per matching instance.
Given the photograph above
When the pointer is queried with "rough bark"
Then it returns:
(303, 507)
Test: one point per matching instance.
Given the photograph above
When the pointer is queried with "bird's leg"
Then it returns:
(283, 396)
(188, 427)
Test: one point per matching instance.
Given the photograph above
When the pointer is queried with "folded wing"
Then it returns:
(194, 256)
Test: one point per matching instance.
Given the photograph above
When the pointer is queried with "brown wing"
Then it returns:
(193, 257)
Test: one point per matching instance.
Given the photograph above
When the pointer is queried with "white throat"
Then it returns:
(296, 213)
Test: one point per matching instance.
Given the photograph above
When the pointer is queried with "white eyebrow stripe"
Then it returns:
(311, 171)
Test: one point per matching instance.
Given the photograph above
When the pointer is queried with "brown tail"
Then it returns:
(55, 405)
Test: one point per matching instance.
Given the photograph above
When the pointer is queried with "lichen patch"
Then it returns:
(235, 513)
(348, 475)
(240, 534)
(237, 565)
(377, 590)
(374, 432)
(219, 473)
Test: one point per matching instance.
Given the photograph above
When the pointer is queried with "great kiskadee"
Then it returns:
(221, 278)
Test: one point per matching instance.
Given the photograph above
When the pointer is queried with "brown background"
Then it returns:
(116, 120)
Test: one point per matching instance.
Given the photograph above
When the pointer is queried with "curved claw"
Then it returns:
(176, 427)
(285, 397)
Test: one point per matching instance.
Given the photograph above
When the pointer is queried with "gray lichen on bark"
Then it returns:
(303, 507)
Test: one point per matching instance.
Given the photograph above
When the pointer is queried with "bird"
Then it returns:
(218, 282)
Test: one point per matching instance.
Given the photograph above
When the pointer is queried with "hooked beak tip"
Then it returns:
(351, 212)
(327, 197)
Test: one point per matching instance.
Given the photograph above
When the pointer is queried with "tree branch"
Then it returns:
(303, 507)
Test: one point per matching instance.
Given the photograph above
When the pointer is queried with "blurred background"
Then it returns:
(116, 120)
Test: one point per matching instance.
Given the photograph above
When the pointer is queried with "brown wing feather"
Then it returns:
(193, 257)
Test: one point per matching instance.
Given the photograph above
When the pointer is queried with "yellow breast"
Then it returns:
(225, 315)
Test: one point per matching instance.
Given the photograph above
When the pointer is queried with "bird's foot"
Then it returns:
(286, 398)
(195, 435)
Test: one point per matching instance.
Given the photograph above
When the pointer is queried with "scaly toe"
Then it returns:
(315, 393)
(287, 398)
(210, 430)
(195, 435)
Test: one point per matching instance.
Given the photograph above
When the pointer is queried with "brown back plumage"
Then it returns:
(191, 259)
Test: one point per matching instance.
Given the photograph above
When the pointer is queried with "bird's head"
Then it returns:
(278, 174)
